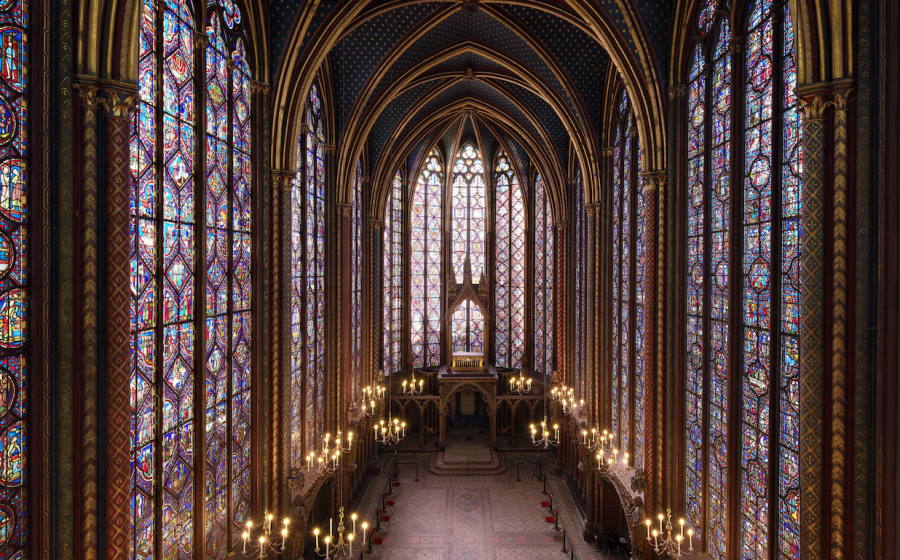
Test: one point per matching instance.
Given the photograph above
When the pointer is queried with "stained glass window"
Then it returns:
(393, 275)
(764, 238)
(468, 328)
(167, 238)
(580, 280)
(628, 289)
(425, 258)
(356, 264)
(509, 284)
(467, 221)
(14, 506)
(543, 280)
(467, 240)
(308, 283)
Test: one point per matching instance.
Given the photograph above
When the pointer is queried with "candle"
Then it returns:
(648, 529)
(584, 436)
(283, 538)
(316, 533)
(681, 521)
(365, 531)
(353, 517)
(690, 540)
(327, 546)
(660, 517)
(655, 539)
(245, 541)
(678, 539)
(331, 521)
(350, 538)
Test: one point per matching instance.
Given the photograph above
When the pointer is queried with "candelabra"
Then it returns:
(545, 438)
(413, 389)
(340, 548)
(330, 459)
(520, 386)
(668, 547)
(392, 432)
(266, 542)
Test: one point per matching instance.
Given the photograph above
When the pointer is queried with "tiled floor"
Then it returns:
(475, 518)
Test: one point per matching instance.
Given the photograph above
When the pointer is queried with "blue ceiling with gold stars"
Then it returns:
(563, 56)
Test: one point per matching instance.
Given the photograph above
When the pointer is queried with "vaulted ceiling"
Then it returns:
(533, 76)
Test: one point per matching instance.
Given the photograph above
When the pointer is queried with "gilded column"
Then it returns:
(373, 312)
(812, 343)
(346, 280)
(654, 185)
(118, 314)
(281, 182)
(840, 321)
(562, 302)
(594, 297)
(87, 95)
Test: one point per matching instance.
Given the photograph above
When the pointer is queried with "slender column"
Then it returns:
(345, 342)
(373, 311)
(602, 285)
(812, 337)
(563, 302)
(90, 220)
(594, 296)
(118, 312)
(840, 322)
(281, 332)
(654, 185)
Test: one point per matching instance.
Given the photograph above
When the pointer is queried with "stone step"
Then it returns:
(457, 465)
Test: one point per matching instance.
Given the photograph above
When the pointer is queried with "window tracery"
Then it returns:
(509, 284)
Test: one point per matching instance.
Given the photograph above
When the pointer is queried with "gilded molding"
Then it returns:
(88, 94)
(469, 75)
(201, 40)
(813, 103)
(736, 44)
(259, 88)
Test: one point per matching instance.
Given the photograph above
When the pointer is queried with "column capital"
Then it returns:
(677, 92)
(608, 151)
(330, 149)
(654, 180)
(561, 225)
(200, 40)
(88, 93)
(814, 100)
(842, 92)
(282, 180)
(345, 208)
(259, 88)
(736, 44)
(593, 209)
(118, 104)
(376, 224)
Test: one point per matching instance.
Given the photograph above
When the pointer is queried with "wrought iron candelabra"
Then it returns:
(266, 542)
(340, 548)
(668, 546)
(520, 385)
(413, 389)
(545, 438)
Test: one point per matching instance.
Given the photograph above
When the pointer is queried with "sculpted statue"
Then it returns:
(297, 538)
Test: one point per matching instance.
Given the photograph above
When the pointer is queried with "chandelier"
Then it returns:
(266, 542)
(413, 390)
(392, 432)
(340, 548)
(669, 546)
(329, 459)
(520, 386)
(545, 438)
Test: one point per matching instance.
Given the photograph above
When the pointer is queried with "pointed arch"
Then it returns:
(509, 264)
(426, 242)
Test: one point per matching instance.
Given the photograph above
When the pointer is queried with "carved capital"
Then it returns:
(632, 131)
(88, 94)
(736, 44)
(118, 105)
(813, 105)
(376, 224)
(282, 180)
(654, 180)
(843, 93)
(344, 209)
(470, 75)
(259, 88)
(304, 128)
(200, 40)
(330, 149)
(593, 209)
(562, 225)
(607, 151)
(677, 92)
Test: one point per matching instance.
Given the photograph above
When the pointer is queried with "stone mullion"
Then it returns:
(281, 186)
(332, 314)
(840, 322)
(409, 184)
(118, 312)
(345, 278)
(90, 220)
(527, 184)
(812, 336)
(374, 311)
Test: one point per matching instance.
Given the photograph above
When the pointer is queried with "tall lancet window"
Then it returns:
(170, 233)
(308, 283)
(14, 499)
(509, 286)
(628, 324)
(760, 250)
(544, 262)
(579, 230)
(425, 257)
(467, 243)
(467, 221)
(356, 228)
(393, 275)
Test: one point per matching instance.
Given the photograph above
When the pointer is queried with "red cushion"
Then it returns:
(545, 504)
(377, 540)
(549, 519)
(396, 484)
(390, 503)
(385, 517)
